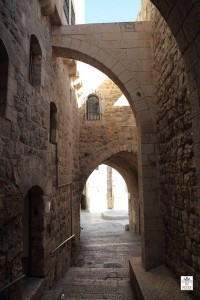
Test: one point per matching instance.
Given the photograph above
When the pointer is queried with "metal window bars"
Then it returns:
(66, 9)
(73, 19)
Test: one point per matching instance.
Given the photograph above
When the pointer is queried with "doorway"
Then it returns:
(33, 233)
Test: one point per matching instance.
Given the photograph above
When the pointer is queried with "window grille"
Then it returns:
(93, 108)
(72, 15)
(35, 61)
(66, 9)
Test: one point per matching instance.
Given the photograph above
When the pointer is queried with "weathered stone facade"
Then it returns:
(40, 127)
(177, 165)
(40, 194)
(29, 161)
(178, 178)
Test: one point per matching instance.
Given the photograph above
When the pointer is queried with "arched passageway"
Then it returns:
(75, 43)
(126, 164)
(105, 190)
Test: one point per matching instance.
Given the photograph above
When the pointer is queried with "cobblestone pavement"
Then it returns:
(101, 267)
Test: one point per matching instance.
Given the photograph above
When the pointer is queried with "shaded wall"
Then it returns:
(27, 157)
(177, 164)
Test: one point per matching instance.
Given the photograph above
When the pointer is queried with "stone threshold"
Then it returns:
(155, 284)
(114, 215)
(53, 294)
(33, 288)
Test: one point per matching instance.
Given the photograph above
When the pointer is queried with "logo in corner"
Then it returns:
(186, 283)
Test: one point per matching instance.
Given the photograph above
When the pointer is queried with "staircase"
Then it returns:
(96, 283)
(101, 270)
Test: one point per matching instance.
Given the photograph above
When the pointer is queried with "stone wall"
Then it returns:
(178, 178)
(28, 159)
(117, 129)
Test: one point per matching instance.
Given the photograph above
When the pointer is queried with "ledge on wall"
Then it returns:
(71, 67)
(77, 83)
(157, 283)
(47, 6)
(53, 9)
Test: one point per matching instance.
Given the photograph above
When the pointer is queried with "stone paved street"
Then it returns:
(101, 268)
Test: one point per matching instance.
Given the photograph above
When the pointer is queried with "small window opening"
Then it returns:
(93, 108)
(35, 62)
(73, 18)
(53, 123)
(66, 9)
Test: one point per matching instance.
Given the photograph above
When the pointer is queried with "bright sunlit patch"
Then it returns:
(90, 77)
(122, 101)
(98, 189)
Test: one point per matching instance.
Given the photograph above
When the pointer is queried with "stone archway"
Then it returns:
(104, 156)
(120, 50)
(125, 162)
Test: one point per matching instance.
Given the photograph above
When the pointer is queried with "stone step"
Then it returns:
(95, 274)
(96, 296)
(157, 283)
(33, 288)
(97, 289)
(53, 294)
(115, 215)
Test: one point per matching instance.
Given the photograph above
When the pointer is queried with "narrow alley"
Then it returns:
(101, 269)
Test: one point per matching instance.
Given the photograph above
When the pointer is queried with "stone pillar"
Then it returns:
(110, 203)
(150, 215)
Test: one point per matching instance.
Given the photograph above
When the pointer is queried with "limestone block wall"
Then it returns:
(115, 133)
(178, 179)
(30, 165)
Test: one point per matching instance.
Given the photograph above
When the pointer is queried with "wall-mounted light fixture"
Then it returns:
(138, 94)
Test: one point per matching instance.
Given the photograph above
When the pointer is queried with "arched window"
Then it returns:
(35, 61)
(4, 61)
(93, 108)
(53, 123)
